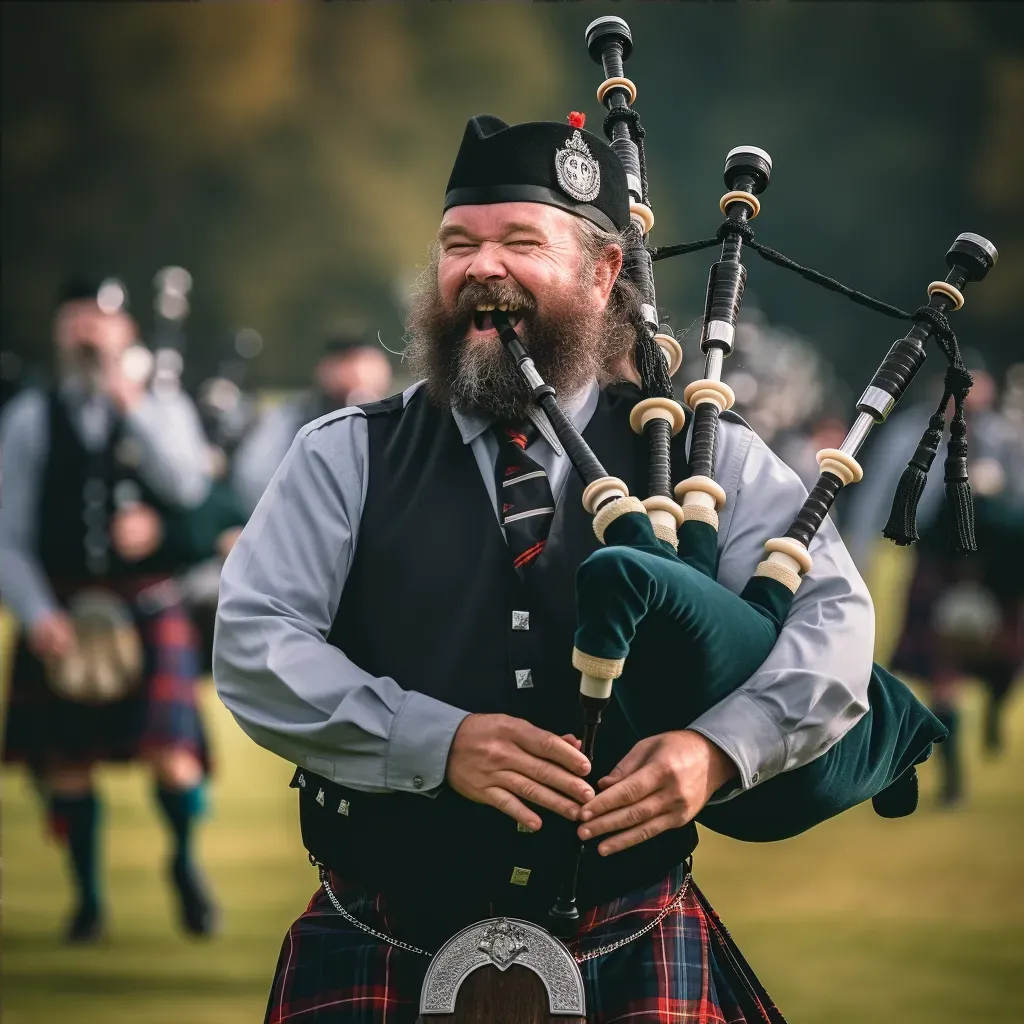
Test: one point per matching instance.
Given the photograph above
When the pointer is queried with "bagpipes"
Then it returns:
(653, 624)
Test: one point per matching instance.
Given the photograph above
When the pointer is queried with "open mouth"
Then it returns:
(482, 316)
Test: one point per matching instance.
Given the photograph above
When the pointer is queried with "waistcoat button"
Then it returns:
(524, 679)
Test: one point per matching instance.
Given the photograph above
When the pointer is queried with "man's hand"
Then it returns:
(52, 636)
(662, 783)
(502, 761)
(136, 532)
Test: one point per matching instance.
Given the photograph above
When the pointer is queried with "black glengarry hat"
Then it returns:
(539, 162)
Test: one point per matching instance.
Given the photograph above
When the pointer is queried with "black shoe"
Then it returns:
(200, 915)
(85, 926)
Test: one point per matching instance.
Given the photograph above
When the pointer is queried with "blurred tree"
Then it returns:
(293, 156)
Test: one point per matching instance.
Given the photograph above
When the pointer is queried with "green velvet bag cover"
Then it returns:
(874, 760)
(689, 642)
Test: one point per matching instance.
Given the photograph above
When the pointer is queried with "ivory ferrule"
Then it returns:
(592, 686)
(700, 490)
(617, 82)
(737, 196)
(840, 464)
(717, 392)
(596, 493)
(657, 408)
(671, 350)
(790, 553)
(643, 216)
(663, 510)
(945, 288)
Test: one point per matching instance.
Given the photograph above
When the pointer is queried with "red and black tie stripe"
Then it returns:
(524, 494)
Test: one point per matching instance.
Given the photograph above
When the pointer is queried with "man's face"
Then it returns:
(525, 247)
(88, 340)
(526, 257)
(354, 377)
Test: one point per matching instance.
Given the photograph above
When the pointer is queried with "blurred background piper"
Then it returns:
(295, 187)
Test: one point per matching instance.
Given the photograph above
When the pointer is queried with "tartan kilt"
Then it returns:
(684, 968)
(43, 729)
(921, 652)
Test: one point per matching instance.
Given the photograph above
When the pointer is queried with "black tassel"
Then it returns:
(958, 488)
(902, 525)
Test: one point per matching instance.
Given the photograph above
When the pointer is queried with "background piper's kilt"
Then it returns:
(923, 651)
(43, 729)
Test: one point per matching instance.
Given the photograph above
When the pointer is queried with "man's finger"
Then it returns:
(549, 747)
(625, 817)
(575, 741)
(535, 793)
(629, 764)
(630, 790)
(508, 804)
(635, 836)
(550, 775)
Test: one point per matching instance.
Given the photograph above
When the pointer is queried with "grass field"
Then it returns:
(865, 920)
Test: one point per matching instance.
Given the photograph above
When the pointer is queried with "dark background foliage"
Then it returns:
(293, 156)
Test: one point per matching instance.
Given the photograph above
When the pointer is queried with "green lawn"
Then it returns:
(911, 921)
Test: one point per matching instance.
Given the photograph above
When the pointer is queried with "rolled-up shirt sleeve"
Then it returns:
(812, 689)
(288, 689)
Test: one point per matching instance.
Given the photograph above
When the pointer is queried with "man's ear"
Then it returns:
(606, 270)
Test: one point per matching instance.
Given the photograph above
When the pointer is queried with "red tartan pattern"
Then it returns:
(686, 968)
(43, 729)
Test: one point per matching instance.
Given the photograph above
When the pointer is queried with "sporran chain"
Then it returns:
(673, 904)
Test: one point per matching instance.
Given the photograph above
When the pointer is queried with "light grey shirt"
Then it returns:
(302, 698)
(172, 461)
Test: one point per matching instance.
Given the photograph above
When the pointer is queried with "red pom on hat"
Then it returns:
(576, 119)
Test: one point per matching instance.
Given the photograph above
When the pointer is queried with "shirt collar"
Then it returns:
(579, 408)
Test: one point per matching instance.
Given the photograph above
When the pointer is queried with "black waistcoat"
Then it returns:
(79, 492)
(429, 601)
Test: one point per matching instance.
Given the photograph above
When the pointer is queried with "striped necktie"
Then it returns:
(524, 494)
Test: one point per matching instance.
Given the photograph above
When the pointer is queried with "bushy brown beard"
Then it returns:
(570, 343)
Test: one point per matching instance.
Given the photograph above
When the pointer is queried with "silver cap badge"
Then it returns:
(577, 171)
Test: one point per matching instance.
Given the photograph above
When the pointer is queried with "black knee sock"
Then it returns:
(77, 818)
(949, 751)
(181, 808)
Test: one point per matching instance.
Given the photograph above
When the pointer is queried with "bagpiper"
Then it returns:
(106, 665)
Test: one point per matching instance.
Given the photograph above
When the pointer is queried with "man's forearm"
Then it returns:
(301, 698)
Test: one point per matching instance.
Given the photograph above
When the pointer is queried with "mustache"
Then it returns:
(497, 293)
